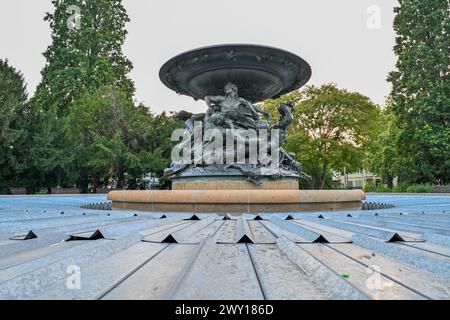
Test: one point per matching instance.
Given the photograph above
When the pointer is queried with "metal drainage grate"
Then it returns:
(98, 206)
(375, 206)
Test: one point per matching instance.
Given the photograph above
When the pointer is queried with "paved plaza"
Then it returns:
(50, 248)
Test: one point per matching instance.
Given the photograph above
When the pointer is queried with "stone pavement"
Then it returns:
(50, 248)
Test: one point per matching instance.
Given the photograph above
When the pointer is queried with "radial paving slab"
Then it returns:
(397, 253)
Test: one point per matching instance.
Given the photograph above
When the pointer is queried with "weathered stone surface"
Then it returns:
(232, 183)
(226, 201)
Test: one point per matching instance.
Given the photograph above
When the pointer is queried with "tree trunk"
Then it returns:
(83, 184)
(121, 180)
(390, 181)
(312, 183)
(324, 175)
(94, 181)
(58, 179)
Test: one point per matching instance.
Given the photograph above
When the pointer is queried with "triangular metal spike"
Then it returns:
(321, 239)
(395, 237)
(169, 239)
(245, 239)
(193, 217)
(97, 234)
(27, 236)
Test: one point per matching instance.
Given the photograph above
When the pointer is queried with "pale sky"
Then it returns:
(332, 36)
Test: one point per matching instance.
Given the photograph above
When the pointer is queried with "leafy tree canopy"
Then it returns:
(86, 56)
(13, 123)
(82, 58)
(421, 90)
(114, 139)
(333, 128)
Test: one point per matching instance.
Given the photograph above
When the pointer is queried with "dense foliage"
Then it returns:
(83, 58)
(382, 155)
(82, 126)
(333, 129)
(421, 91)
(13, 125)
(114, 139)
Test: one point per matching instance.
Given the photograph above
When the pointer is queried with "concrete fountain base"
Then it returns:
(236, 201)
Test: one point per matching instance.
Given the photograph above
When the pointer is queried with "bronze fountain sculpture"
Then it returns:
(231, 159)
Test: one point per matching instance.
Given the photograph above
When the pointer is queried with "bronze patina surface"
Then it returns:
(260, 72)
(258, 175)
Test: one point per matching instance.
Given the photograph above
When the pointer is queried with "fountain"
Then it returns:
(231, 157)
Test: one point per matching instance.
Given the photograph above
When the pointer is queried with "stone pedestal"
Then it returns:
(233, 183)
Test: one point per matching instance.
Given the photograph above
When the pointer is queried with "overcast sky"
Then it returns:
(333, 36)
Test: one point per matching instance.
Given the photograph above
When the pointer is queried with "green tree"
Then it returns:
(116, 140)
(87, 57)
(332, 129)
(81, 58)
(421, 90)
(382, 157)
(13, 123)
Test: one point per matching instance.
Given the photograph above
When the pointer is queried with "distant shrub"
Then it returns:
(401, 187)
(420, 188)
(383, 188)
(42, 191)
(369, 187)
(4, 190)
